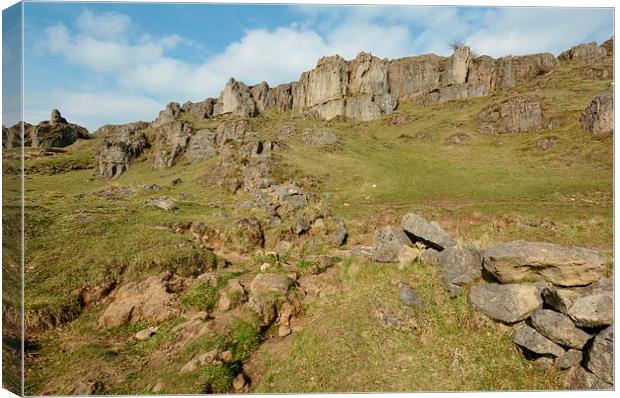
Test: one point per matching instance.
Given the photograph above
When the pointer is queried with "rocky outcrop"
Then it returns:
(516, 115)
(56, 132)
(171, 141)
(120, 145)
(598, 117)
(562, 266)
(589, 53)
(368, 87)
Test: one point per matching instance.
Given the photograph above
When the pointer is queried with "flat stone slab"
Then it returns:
(507, 303)
(428, 232)
(594, 309)
(600, 357)
(559, 328)
(535, 342)
(562, 266)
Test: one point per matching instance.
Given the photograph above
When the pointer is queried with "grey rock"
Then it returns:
(598, 117)
(545, 143)
(409, 296)
(120, 146)
(559, 299)
(530, 339)
(163, 203)
(593, 309)
(600, 357)
(339, 235)
(430, 233)
(270, 283)
(387, 244)
(559, 328)
(569, 359)
(430, 257)
(319, 138)
(579, 378)
(459, 267)
(507, 303)
(171, 142)
(563, 266)
(516, 115)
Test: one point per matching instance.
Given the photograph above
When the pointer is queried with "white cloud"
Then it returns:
(142, 67)
(90, 109)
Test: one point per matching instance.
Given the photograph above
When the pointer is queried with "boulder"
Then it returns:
(599, 359)
(507, 303)
(388, 242)
(270, 283)
(459, 267)
(563, 266)
(569, 359)
(120, 145)
(545, 143)
(430, 257)
(339, 234)
(516, 115)
(148, 300)
(531, 340)
(579, 378)
(430, 233)
(594, 309)
(559, 328)
(163, 203)
(598, 117)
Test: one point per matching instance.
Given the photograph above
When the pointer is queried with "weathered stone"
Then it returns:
(430, 233)
(458, 139)
(507, 303)
(593, 309)
(171, 142)
(459, 267)
(430, 257)
(516, 115)
(559, 299)
(598, 117)
(409, 296)
(457, 67)
(579, 378)
(169, 114)
(145, 334)
(240, 383)
(235, 100)
(530, 339)
(543, 363)
(599, 358)
(339, 235)
(563, 266)
(387, 244)
(163, 203)
(148, 300)
(589, 53)
(57, 132)
(569, 359)
(270, 283)
(120, 145)
(559, 328)
(201, 146)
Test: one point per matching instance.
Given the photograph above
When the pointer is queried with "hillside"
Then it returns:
(257, 242)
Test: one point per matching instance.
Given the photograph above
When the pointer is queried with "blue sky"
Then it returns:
(113, 63)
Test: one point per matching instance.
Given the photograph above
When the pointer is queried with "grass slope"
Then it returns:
(494, 188)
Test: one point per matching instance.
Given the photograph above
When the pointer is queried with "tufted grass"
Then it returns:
(492, 189)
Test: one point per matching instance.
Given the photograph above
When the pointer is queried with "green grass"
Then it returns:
(343, 346)
(492, 189)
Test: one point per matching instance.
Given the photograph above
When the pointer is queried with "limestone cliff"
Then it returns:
(366, 87)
